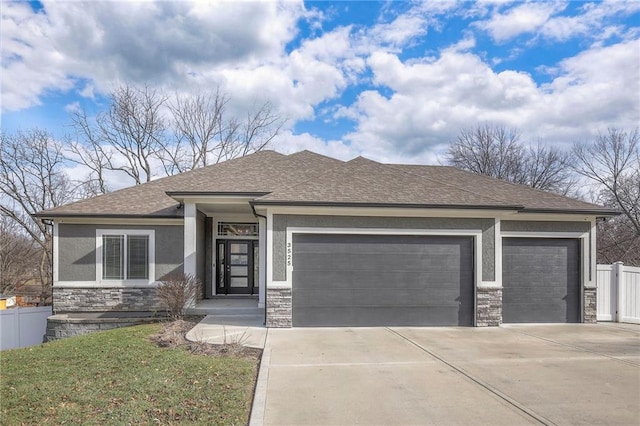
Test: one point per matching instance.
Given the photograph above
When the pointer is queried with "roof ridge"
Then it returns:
(313, 176)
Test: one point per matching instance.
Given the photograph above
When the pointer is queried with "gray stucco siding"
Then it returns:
(77, 250)
(543, 226)
(200, 246)
(282, 222)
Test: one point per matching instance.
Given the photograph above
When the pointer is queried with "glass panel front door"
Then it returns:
(237, 265)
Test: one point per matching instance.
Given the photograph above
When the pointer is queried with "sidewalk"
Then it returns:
(216, 329)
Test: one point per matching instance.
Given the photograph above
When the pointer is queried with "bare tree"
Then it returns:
(32, 179)
(548, 169)
(144, 126)
(612, 163)
(19, 256)
(126, 137)
(205, 133)
(199, 130)
(497, 152)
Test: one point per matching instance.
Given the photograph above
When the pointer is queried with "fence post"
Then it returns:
(616, 283)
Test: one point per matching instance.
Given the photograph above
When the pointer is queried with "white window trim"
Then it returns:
(585, 256)
(126, 283)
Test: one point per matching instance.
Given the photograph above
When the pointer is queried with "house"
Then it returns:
(322, 242)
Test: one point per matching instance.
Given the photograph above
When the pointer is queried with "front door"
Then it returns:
(237, 264)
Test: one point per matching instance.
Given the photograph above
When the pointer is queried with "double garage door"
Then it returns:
(378, 280)
(398, 280)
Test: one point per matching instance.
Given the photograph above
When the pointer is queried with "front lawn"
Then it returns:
(122, 377)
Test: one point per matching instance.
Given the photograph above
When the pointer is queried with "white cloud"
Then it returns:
(592, 22)
(409, 108)
(154, 42)
(544, 20)
(433, 99)
(524, 18)
(72, 107)
(288, 143)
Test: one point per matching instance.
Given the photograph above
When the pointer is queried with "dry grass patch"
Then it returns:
(146, 374)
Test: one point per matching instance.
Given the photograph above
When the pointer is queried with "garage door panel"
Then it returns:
(382, 297)
(362, 261)
(380, 316)
(370, 280)
(530, 313)
(541, 280)
(346, 243)
(333, 280)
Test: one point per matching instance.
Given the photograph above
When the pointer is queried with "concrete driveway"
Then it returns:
(525, 374)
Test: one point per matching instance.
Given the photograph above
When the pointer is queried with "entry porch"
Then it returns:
(225, 247)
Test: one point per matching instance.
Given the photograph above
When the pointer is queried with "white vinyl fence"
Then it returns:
(618, 293)
(22, 327)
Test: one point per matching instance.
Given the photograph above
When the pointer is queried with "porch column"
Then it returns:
(190, 238)
(262, 259)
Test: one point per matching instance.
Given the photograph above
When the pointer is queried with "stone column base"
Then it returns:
(590, 303)
(279, 307)
(489, 307)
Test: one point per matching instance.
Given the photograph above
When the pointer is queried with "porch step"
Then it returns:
(227, 306)
(225, 311)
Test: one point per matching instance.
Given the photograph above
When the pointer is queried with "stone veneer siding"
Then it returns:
(74, 299)
(489, 307)
(279, 308)
(590, 311)
(61, 326)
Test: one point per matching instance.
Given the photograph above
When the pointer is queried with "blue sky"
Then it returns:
(393, 81)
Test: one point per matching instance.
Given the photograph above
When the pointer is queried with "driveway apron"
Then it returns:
(575, 374)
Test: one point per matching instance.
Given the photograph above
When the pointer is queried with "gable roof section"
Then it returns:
(532, 200)
(261, 172)
(307, 178)
(362, 181)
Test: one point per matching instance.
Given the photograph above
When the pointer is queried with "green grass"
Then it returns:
(121, 377)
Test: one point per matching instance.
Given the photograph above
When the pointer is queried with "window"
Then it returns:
(112, 254)
(125, 255)
(226, 229)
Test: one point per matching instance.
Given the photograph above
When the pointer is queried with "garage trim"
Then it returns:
(584, 254)
(475, 233)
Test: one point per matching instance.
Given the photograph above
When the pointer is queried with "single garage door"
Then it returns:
(541, 280)
(382, 280)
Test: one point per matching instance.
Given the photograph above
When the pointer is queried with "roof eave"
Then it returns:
(44, 215)
(591, 212)
(382, 205)
(214, 194)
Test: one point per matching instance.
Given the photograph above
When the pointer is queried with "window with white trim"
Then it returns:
(125, 255)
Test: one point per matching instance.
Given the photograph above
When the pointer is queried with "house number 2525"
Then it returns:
(289, 254)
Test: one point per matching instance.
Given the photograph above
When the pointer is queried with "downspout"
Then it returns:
(266, 265)
(49, 222)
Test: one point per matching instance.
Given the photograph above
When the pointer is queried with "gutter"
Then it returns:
(598, 213)
(179, 194)
(46, 216)
(49, 222)
(384, 205)
(520, 209)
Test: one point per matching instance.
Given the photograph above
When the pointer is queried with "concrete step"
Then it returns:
(225, 311)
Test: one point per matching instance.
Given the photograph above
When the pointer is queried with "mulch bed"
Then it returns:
(173, 335)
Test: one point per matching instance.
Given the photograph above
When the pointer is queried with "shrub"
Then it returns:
(176, 291)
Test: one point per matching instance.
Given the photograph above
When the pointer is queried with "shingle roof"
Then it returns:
(307, 178)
